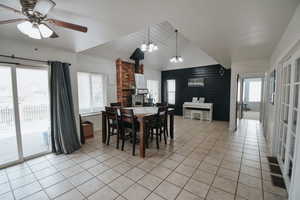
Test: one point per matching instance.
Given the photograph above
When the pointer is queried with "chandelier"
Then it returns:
(176, 58)
(149, 46)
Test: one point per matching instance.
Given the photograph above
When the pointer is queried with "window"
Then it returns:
(153, 88)
(255, 91)
(90, 92)
(171, 89)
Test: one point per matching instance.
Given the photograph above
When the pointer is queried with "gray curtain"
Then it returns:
(63, 126)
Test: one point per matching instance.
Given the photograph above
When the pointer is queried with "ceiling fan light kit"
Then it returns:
(35, 31)
(35, 24)
(43, 7)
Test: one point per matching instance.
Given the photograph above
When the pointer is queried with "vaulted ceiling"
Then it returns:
(163, 36)
(227, 30)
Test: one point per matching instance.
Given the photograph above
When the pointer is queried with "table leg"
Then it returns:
(104, 128)
(142, 138)
(172, 125)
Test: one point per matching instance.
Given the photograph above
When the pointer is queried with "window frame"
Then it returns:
(156, 82)
(171, 103)
(104, 88)
(250, 94)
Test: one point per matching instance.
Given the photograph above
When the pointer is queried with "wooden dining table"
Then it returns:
(142, 114)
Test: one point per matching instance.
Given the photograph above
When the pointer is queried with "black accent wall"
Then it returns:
(216, 89)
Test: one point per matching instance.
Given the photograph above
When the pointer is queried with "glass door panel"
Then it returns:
(33, 99)
(8, 138)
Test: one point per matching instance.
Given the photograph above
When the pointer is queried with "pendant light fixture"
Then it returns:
(149, 46)
(176, 58)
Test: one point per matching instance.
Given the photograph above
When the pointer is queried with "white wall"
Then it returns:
(253, 68)
(79, 63)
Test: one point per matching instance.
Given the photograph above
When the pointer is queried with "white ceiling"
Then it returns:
(163, 36)
(227, 30)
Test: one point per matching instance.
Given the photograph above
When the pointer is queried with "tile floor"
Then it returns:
(205, 161)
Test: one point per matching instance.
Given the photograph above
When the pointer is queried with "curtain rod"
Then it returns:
(19, 64)
(21, 58)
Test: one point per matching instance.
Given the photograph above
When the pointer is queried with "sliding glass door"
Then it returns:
(24, 113)
(33, 101)
(8, 138)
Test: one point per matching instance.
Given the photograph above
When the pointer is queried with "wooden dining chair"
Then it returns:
(128, 123)
(164, 104)
(157, 126)
(113, 124)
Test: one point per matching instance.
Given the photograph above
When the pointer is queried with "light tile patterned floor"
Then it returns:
(205, 161)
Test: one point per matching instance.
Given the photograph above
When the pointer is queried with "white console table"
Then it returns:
(204, 109)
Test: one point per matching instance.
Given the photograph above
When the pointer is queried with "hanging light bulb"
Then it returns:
(144, 47)
(149, 46)
(176, 59)
(180, 59)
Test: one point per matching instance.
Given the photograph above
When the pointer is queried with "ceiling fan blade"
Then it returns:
(68, 25)
(12, 21)
(11, 9)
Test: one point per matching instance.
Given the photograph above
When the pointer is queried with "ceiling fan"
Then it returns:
(34, 23)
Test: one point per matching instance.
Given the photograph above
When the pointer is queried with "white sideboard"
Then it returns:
(204, 109)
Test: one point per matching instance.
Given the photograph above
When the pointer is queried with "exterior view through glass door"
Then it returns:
(33, 99)
(8, 138)
(24, 113)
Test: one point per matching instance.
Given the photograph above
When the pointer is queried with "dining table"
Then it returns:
(141, 114)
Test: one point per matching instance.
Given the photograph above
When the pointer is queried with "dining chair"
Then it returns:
(113, 124)
(158, 126)
(128, 123)
(164, 104)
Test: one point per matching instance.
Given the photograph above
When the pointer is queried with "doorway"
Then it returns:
(24, 113)
(251, 98)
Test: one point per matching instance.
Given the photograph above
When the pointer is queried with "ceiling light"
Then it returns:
(35, 31)
(43, 7)
(46, 32)
(144, 47)
(176, 59)
(29, 29)
(149, 46)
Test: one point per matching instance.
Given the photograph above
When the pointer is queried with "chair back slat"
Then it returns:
(112, 116)
(162, 104)
(162, 114)
(117, 104)
(127, 115)
(128, 119)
